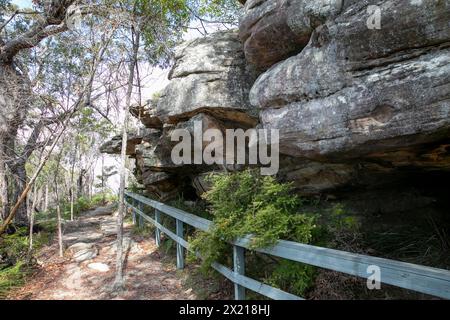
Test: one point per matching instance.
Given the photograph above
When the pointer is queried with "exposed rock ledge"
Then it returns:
(357, 109)
(354, 93)
(210, 82)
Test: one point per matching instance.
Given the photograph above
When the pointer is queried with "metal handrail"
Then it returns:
(428, 280)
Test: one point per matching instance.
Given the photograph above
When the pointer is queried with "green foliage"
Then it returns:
(103, 198)
(248, 204)
(134, 187)
(12, 277)
(198, 208)
(80, 205)
(15, 263)
(15, 246)
(292, 276)
(336, 229)
(83, 204)
(224, 10)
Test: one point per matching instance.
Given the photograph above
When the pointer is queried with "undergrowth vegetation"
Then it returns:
(246, 203)
(80, 205)
(16, 261)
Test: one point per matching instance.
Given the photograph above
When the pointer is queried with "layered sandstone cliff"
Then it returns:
(210, 84)
(358, 109)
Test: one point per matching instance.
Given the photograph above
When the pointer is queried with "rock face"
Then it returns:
(147, 114)
(355, 94)
(357, 107)
(114, 146)
(210, 84)
(362, 112)
(210, 75)
(335, 101)
(273, 30)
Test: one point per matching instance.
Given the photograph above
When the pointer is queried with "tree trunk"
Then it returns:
(15, 98)
(46, 198)
(36, 199)
(80, 183)
(119, 283)
(4, 200)
(103, 180)
(20, 181)
(58, 207)
(72, 181)
(59, 223)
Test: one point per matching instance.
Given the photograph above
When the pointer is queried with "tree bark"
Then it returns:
(4, 200)
(46, 198)
(103, 179)
(58, 207)
(119, 283)
(72, 182)
(59, 223)
(20, 181)
(15, 93)
(80, 183)
(36, 199)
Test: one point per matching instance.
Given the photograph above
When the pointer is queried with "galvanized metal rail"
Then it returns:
(428, 280)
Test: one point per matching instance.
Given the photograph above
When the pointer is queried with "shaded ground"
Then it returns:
(147, 276)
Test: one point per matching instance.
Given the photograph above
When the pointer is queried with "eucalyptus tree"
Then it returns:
(17, 90)
(158, 25)
(21, 31)
(48, 73)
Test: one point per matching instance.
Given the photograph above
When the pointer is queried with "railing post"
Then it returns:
(141, 218)
(136, 215)
(180, 249)
(239, 268)
(133, 213)
(157, 231)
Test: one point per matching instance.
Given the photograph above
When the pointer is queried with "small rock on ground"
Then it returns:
(100, 267)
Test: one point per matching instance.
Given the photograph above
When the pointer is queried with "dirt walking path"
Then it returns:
(87, 270)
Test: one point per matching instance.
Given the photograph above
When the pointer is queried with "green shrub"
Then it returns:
(336, 229)
(15, 246)
(246, 203)
(103, 199)
(292, 276)
(14, 252)
(12, 277)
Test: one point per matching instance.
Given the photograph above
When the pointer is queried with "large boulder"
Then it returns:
(209, 84)
(273, 30)
(211, 76)
(355, 93)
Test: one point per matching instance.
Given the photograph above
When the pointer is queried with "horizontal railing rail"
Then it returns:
(428, 280)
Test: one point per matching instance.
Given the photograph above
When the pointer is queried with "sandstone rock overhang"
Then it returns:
(356, 93)
(210, 75)
(209, 83)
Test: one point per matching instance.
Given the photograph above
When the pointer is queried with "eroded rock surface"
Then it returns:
(114, 146)
(354, 92)
(355, 106)
(273, 30)
(210, 85)
(210, 75)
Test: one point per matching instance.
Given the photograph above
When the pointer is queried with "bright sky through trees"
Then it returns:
(22, 3)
